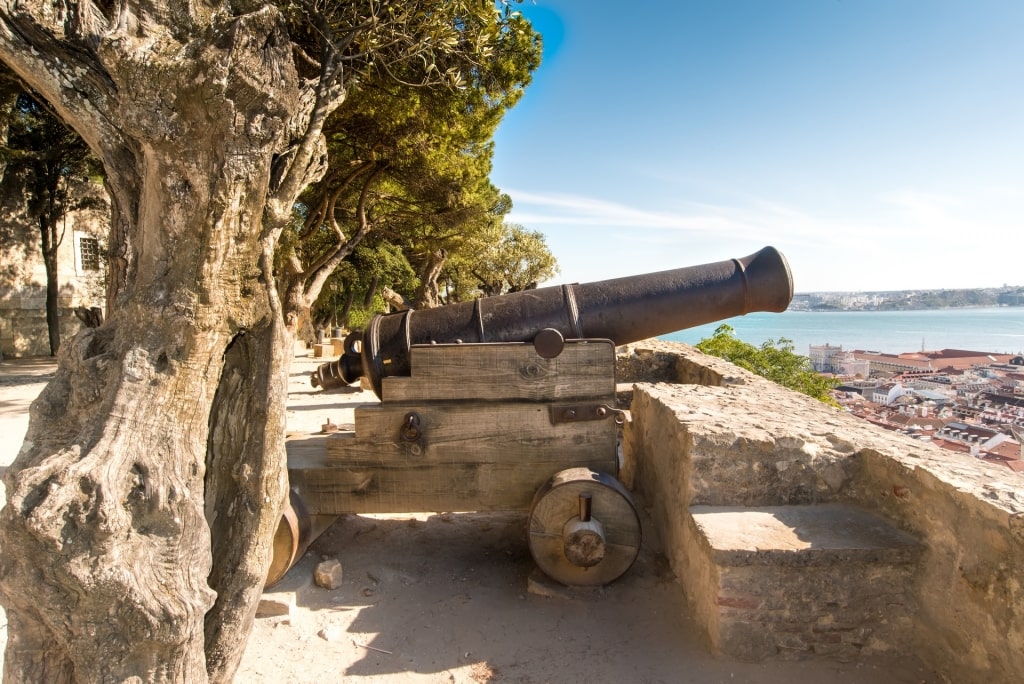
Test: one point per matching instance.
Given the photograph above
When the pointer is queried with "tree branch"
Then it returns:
(29, 49)
(317, 275)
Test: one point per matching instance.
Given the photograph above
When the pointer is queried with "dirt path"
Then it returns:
(448, 598)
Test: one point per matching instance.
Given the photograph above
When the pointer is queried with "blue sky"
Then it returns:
(879, 144)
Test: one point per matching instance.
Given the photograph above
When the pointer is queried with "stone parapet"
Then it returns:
(706, 433)
(797, 581)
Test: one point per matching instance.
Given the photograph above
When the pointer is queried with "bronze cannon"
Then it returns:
(508, 403)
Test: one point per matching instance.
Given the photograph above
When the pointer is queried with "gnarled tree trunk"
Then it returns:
(143, 502)
(145, 496)
(50, 243)
(428, 293)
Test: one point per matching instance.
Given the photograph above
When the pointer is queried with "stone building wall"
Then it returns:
(23, 330)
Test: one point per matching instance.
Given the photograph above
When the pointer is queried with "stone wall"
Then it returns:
(708, 433)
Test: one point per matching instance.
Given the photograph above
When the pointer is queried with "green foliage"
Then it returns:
(774, 360)
(499, 260)
(410, 149)
(352, 293)
(48, 156)
(359, 316)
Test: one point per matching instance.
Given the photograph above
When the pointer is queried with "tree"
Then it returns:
(153, 474)
(50, 162)
(774, 360)
(512, 260)
(363, 285)
(411, 164)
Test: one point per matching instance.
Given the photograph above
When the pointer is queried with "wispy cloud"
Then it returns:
(925, 208)
(563, 209)
(900, 214)
(899, 239)
(996, 212)
(694, 219)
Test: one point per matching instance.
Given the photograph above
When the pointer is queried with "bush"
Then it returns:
(774, 360)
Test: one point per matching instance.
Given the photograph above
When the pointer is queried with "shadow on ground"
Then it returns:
(446, 597)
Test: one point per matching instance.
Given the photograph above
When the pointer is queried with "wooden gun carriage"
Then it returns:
(508, 403)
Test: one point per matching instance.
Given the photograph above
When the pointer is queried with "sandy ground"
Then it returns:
(454, 598)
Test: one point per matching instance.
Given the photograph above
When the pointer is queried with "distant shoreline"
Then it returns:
(920, 308)
(908, 300)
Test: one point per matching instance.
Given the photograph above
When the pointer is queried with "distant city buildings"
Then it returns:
(965, 401)
(813, 301)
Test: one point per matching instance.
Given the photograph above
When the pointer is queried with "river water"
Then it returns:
(993, 330)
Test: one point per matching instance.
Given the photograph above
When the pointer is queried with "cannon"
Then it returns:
(508, 403)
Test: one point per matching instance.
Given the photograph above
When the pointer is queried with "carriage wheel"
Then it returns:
(290, 539)
(583, 528)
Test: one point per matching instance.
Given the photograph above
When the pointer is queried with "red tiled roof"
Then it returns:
(1008, 449)
(963, 353)
(950, 445)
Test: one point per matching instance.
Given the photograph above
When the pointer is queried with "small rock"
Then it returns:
(328, 574)
(332, 633)
(275, 606)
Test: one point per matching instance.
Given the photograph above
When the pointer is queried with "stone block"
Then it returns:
(797, 581)
(322, 350)
(291, 591)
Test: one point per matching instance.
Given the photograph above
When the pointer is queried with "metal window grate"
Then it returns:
(89, 253)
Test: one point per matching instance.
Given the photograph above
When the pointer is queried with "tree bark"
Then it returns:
(428, 295)
(395, 300)
(245, 483)
(173, 409)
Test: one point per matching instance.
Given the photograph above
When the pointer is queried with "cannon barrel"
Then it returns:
(623, 310)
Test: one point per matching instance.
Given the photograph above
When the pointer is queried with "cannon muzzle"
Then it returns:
(623, 310)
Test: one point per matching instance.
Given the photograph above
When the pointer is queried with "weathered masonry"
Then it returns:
(796, 530)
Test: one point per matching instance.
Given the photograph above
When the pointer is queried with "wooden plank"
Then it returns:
(477, 458)
(306, 448)
(480, 432)
(505, 371)
(338, 490)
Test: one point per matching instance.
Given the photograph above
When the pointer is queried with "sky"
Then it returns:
(878, 144)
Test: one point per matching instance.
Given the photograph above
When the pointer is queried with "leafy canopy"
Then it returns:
(410, 154)
(498, 260)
